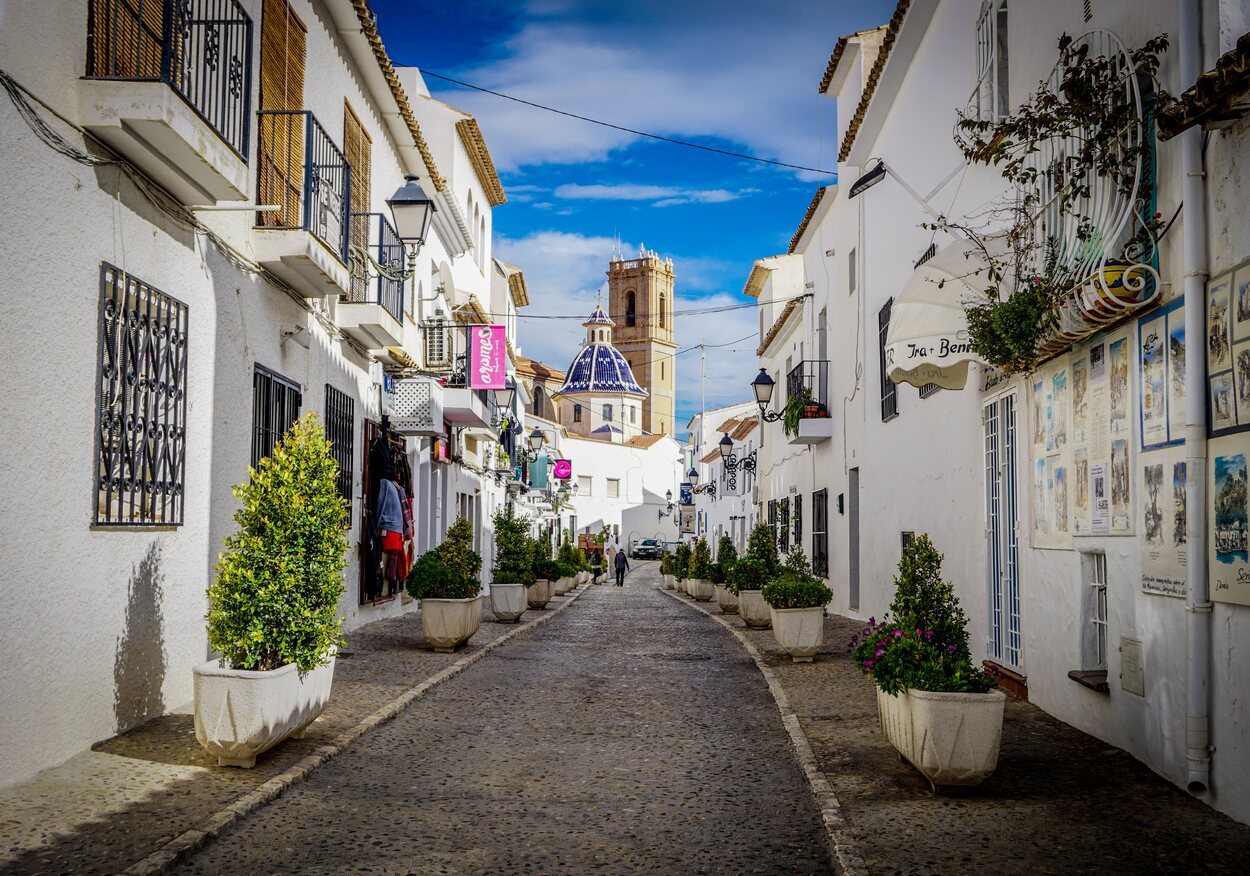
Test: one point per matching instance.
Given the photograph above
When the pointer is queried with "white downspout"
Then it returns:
(1198, 601)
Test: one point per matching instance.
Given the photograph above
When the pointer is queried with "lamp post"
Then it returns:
(763, 386)
(667, 512)
(412, 209)
(503, 403)
(732, 463)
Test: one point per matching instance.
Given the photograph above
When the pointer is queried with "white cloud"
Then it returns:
(662, 196)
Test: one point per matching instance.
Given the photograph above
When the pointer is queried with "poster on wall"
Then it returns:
(1164, 526)
(1228, 352)
(1161, 398)
(1121, 489)
(1100, 501)
(1052, 453)
(1228, 561)
(1117, 354)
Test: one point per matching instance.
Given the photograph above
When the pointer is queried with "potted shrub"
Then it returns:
(726, 556)
(445, 581)
(936, 706)
(541, 567)
(756, 568)
(796, 602)
(700, 572)
(273, 609)
(666, 570)
(681, 559)
(513, 573)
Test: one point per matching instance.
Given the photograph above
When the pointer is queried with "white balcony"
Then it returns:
(164, 136)
(302, 260)
(466, 408)
(417, 408)
(814, 430)
(371, 325)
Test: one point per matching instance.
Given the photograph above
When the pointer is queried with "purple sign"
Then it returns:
(563, 469)
(487, 357)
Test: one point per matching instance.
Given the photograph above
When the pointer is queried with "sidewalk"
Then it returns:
(106, 809)
(1059, 802)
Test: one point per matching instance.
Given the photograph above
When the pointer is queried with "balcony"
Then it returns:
(465, 407)
(417, 408)
(373, 312)
(810, 378)
(303, 173)
(168, 86)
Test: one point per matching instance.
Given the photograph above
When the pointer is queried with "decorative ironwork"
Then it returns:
(141, 414)
(275, 406)
(180, 43)
(733, 464)
(303, 172)
(811, 375)
(375, 244)
(340, 426)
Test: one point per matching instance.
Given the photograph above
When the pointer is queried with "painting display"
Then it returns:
(1161, 390)
(1228, 352)
(1229, 558)
(1052, 469)
(1165, 548)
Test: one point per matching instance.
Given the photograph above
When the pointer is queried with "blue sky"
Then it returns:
(729, 74)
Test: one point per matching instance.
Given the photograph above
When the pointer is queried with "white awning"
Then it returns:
(927, 339)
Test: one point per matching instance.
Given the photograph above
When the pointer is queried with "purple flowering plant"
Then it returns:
(922, 642)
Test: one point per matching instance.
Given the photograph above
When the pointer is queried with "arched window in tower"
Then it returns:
(538, 401)
(663, 311)
(630, 308)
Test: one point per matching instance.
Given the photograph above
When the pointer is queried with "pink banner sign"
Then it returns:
(563, 469)
(487, 357)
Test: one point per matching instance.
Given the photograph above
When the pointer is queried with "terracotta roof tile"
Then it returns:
(807, 218)
(790, 307)
(728, 425)
(711, 456)
(1220, 96)
(874, 76)
(644, 441)
(479, 157)
(838, 48)
(745, 428)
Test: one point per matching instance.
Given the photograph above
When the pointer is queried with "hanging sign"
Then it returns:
(563, 469)
(440, 450)
(686, 493)
(487, 357)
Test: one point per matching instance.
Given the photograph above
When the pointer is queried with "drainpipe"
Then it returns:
(1198, 601)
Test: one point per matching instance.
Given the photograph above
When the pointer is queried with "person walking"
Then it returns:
(622, 566)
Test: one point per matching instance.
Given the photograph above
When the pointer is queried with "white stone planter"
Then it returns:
(668, 582)
(726, 599)
(952, 738)
(539, 594)
(753, 610)
(683, 586)
(508, 601)
(801, 631)
(562, 585)
(600, 578)
(241, 713)
(702, 589)
(448, 623)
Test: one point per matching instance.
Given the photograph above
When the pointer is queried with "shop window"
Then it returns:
(275, 406)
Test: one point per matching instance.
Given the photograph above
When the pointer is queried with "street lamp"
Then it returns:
(693, 476)
(732, 463)
(667, 512)
(503, 403)
(412, 209)
(763, 386)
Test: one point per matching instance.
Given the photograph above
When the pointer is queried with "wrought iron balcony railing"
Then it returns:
(812, 376)
(304, 173)
(202, 49)
(372, 233)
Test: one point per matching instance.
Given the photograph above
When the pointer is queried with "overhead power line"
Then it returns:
(636, 132)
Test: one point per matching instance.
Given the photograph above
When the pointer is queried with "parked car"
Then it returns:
(647, 549)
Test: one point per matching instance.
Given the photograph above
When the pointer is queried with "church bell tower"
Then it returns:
(640, 302)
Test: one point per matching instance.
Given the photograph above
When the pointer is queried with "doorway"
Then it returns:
(1005, 641)
(853, 549)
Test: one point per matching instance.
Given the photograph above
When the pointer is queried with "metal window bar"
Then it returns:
(820, 533)
(303, 172)
(1098, 617)
(373, 233)
(889, 390)
(141, 414)
(783, 525)
(275, 406)
(811, 375)
(340, 421)
(202, 49)
(1015, 638)
(929, 389)
(798, 520)
(437, 343)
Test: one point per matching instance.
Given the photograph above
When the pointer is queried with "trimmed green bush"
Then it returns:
(762, 546)
(457, 549)
(514, 558)
(726, 553)
(749, 573)
(431, 577)
(700, 560)
(279, 579)
(681, 559)
(794, 591)
(666, 563)
(718, 574)
(796, 563)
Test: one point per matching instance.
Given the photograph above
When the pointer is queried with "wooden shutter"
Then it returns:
(126, 37)
(282, 90)
(356, 148)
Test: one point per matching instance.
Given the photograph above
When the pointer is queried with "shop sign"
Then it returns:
(487, 357)
(440, 450)
(688, 521)
(563, 469)
(687, 493)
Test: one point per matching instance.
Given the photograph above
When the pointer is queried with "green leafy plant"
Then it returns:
(791, 590)
(796, 410)
(726, 553)
(762, 546)
(700, 560)
(925, 645)
(748, 573)
(796, 563)
(432, 577)
(718, 573)
(514, 557)
(457, 549)
(681, 559)
(279, 579)
(666, 563)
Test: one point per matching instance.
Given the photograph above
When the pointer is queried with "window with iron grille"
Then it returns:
(820, 533)
(907, 538)
(141, 413)
(991, 100)
(797, 514)
(1094, 634)
(889, 390)
(577, 413)
(275, 406)
(340, 431)
(783, 525)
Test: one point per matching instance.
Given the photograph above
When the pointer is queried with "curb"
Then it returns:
(197, 837)
(841, 844)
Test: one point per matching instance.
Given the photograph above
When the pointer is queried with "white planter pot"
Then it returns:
(952, 738)
(683, 586)
(562, 586)
(600, 578)
(726, 599)
(447, 623)
(668, 582)
(702, 589)
(508, 601)
(241, 713)
(801, 631)
(753, 610)
(539, 594)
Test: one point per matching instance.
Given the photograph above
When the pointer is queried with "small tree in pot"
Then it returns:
(755, 569)
(513, 573)
(545, 572)
(797, 601)
(681, 559)
(445, 580)
(273, 609)
(700, 571)
(726, 556)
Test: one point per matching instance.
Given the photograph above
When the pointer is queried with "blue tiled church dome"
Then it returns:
(599, 367)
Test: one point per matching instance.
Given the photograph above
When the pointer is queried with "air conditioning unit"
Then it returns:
(418, 407)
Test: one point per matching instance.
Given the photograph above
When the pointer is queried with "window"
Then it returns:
(783, 525)
(607, 413)
(798, 520)
(281, 147)
(991, 100)
(1094, 630)
(340, 424)
(663, 315)
(633, 415)
(889, 390)
(584, 483)
(577, 413)
(142, 376)
(630, 308)
(820, 533)
(614, 488)
(661, 370)
(906, 538)
(852, 272)
(539, 403)
(357, 147)
(275, 406)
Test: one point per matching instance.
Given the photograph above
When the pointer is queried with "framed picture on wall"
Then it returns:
(1228, 352)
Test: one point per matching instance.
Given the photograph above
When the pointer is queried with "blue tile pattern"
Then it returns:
(600, 367)
(606, 427)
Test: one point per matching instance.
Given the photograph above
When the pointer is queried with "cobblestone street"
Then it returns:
(630, 734)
